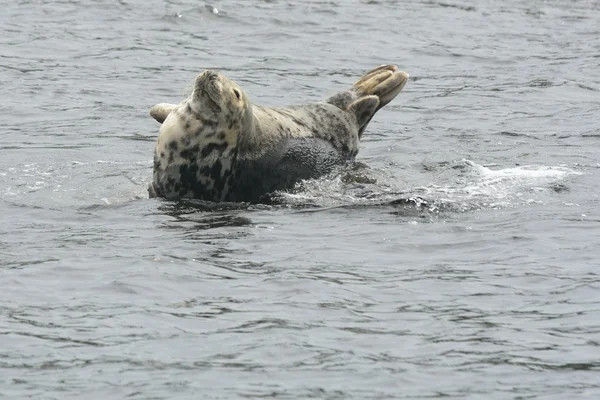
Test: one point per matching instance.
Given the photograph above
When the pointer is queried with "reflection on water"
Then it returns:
(205, 221)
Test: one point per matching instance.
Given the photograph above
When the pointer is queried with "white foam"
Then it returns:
(532, 172)
(501, 187)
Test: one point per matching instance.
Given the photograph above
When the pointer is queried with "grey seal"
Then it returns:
(217, 145)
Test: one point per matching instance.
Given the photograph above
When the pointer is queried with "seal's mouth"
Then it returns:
(385, 82)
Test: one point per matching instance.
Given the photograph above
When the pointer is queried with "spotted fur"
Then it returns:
(217, 146)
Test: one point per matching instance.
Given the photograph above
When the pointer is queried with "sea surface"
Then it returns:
(459, 259)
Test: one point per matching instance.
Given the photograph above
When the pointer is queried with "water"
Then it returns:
(460, 261)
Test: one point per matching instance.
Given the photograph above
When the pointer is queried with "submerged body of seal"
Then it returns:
(218, 146)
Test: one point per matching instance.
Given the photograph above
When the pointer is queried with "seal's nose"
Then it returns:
(206, 78)
(210, 74)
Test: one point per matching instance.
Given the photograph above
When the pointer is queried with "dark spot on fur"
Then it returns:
(189, 180)
(300, 122)
(209, 123)
(222, 136)
(208, 149)
(188, 109)
(173, 145)
(186, 126)
(162, 154)
(215, 170)
(191, 153)
(215, 173)
(171, 156)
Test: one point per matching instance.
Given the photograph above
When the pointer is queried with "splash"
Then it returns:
(515, 182)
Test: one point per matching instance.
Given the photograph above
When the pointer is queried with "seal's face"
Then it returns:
(219, 99)
(214, 116)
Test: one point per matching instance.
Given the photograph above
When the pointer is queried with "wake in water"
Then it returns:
(455, 187)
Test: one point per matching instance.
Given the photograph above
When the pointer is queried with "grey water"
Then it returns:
(459, 260)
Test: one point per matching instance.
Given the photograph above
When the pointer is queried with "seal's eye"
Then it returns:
(237, 94)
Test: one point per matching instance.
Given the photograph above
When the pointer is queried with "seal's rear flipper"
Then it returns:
(160, 111)
(385, 82)
(364, 109)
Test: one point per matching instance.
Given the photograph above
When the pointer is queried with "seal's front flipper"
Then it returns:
(364, 109)
(160, 111)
